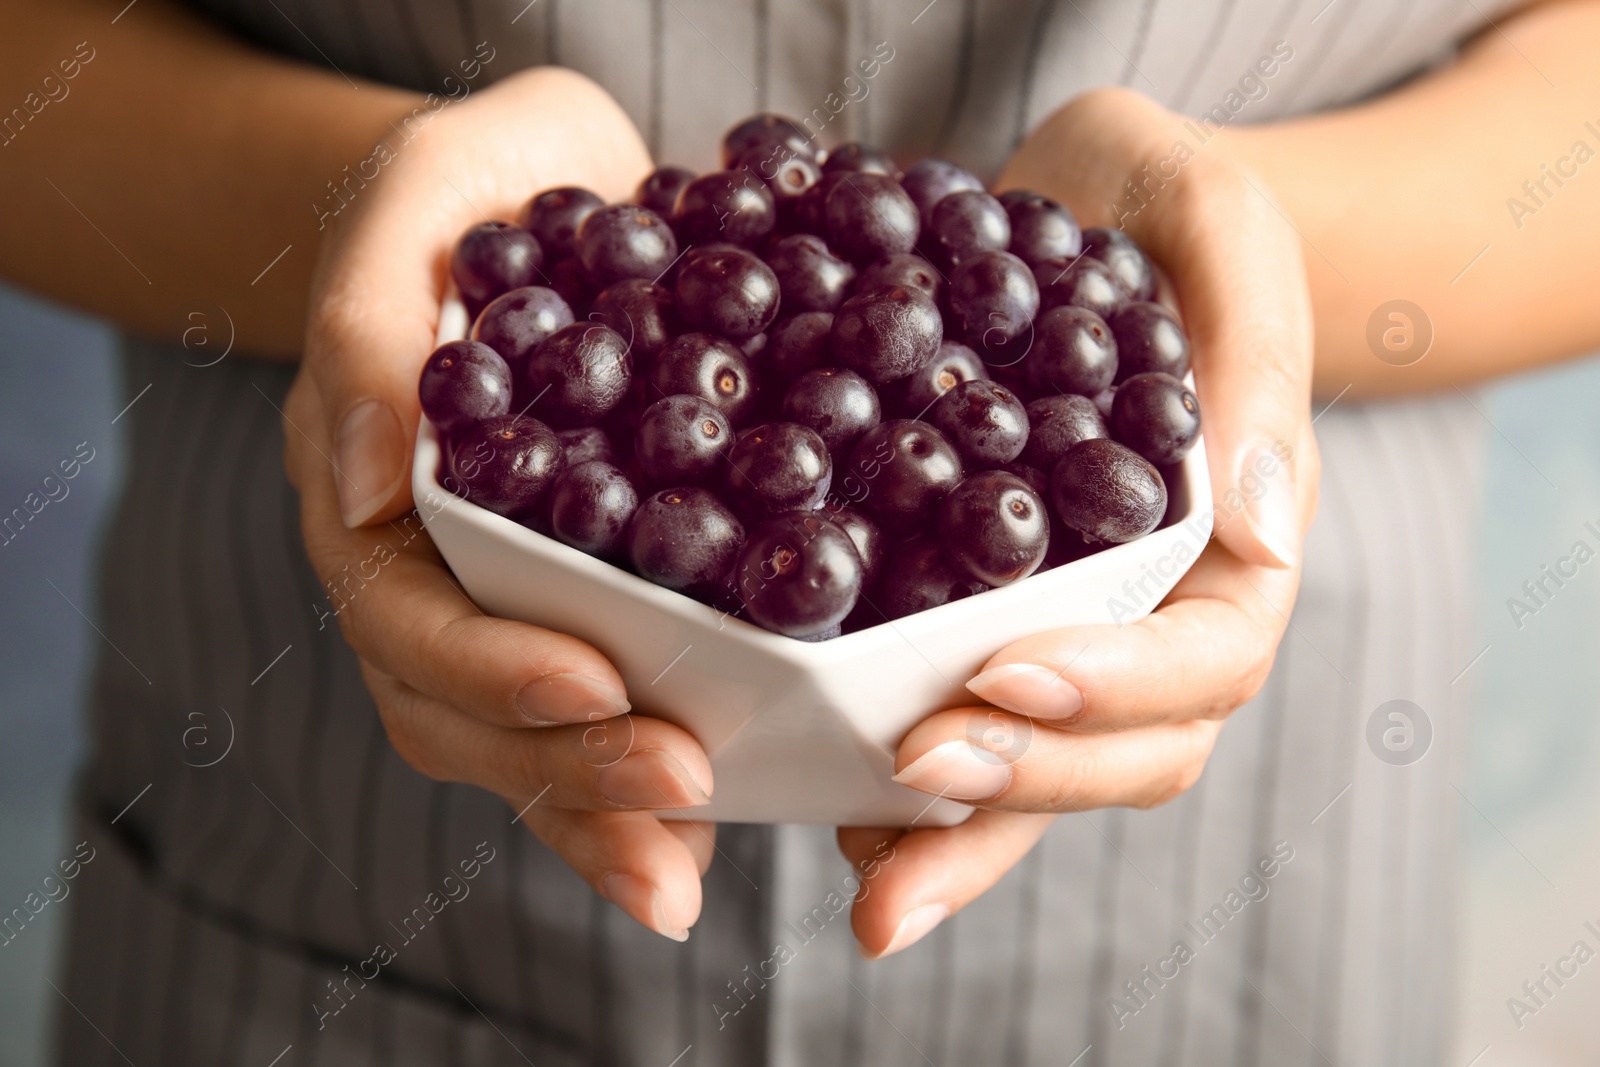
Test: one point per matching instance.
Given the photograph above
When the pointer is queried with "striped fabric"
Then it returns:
(234, 908)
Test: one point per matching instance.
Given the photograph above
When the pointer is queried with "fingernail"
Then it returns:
(371, 451)
(1029, 689)
(958, 770)
(650, 779)
(568, 698)
(641, 900)
(1272, 513)
(917, 924)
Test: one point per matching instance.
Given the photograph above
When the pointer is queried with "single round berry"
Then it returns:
(916, 577)
(781, 466)
(731, 293)
(967, 222)
(659, 190)
(464, 381)
(518, 322)
(930, 180)
(494, 257)
(994, 527)
(838, 404)
(555, 215)
(904, 268)
(900, 471)
(1073, 352)
(578, 374)
(1107, 491)
(887, 334)
(1081, 282)
(1149, 340)
(913, 396)
(624, 241)
(799, 343)
(590, 507)
(799, 575)
(787, 176)
(1157, 416)
(869, 216)
(708, 367)
(993, 298)
(1056, 423)
(1119, 252)
(506, 464)
(859, 158)
(810, 277)
(871, 545)
(642, 311)
(681, 440)
(766, 131)
(985, 421)
(582, 444)
(725, 205)
(684, 538)
(1042, 230)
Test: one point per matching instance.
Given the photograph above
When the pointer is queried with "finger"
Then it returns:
(1096, 678)
(632, 859)
(700, 837)
(623, 763)
(919, 879)
(1006, 762)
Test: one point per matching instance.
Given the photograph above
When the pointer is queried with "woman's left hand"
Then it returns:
(1126, 715)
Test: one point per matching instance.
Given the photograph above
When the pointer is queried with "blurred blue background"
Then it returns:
(1536, 737)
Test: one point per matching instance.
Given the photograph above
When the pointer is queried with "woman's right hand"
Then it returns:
(538, 717)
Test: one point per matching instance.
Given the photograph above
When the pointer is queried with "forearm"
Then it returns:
(172, 169)
(1397, 199)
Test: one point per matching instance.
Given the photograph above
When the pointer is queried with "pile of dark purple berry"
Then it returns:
(810, 389)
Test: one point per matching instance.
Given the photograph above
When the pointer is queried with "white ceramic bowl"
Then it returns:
(797, 732)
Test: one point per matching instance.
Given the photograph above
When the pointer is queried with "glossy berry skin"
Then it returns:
(624, 241)
(797, 344)
(779, 467)
(787, 176)
(708, 367)
(859, 158)
(1119, 252)
(905, 268)
(887, 334)
(725, 205)
(1073, 352)
(590, 507)
(1056, 423)
(994, 528)
(1149, 339)
(731, 293)
(838, 404)
(462, 382)
(916, 577)
(578, 374)
(555, 215)
(642, 311)
(810, 213)
(682, 440)
(810, 277)
(869, 216)
(492, 258)
(964, 223)
(870, 543)
(798, 574)
(1107, 492)
(660, 188)
(930, 180)
(684, 538)
(993, 298)
(1082, 282)
(1036, 479)
(1157, 416)
(1103, 401)
(985, 421)
(766, 131)
(1042, 230)
(903, 468)
(582, 444)
(913, 396)
(506, 464)
(517, 323)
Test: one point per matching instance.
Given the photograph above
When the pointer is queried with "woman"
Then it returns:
(308, 896)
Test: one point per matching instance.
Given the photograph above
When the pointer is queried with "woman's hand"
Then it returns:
(535, 716)
(1095, 716)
